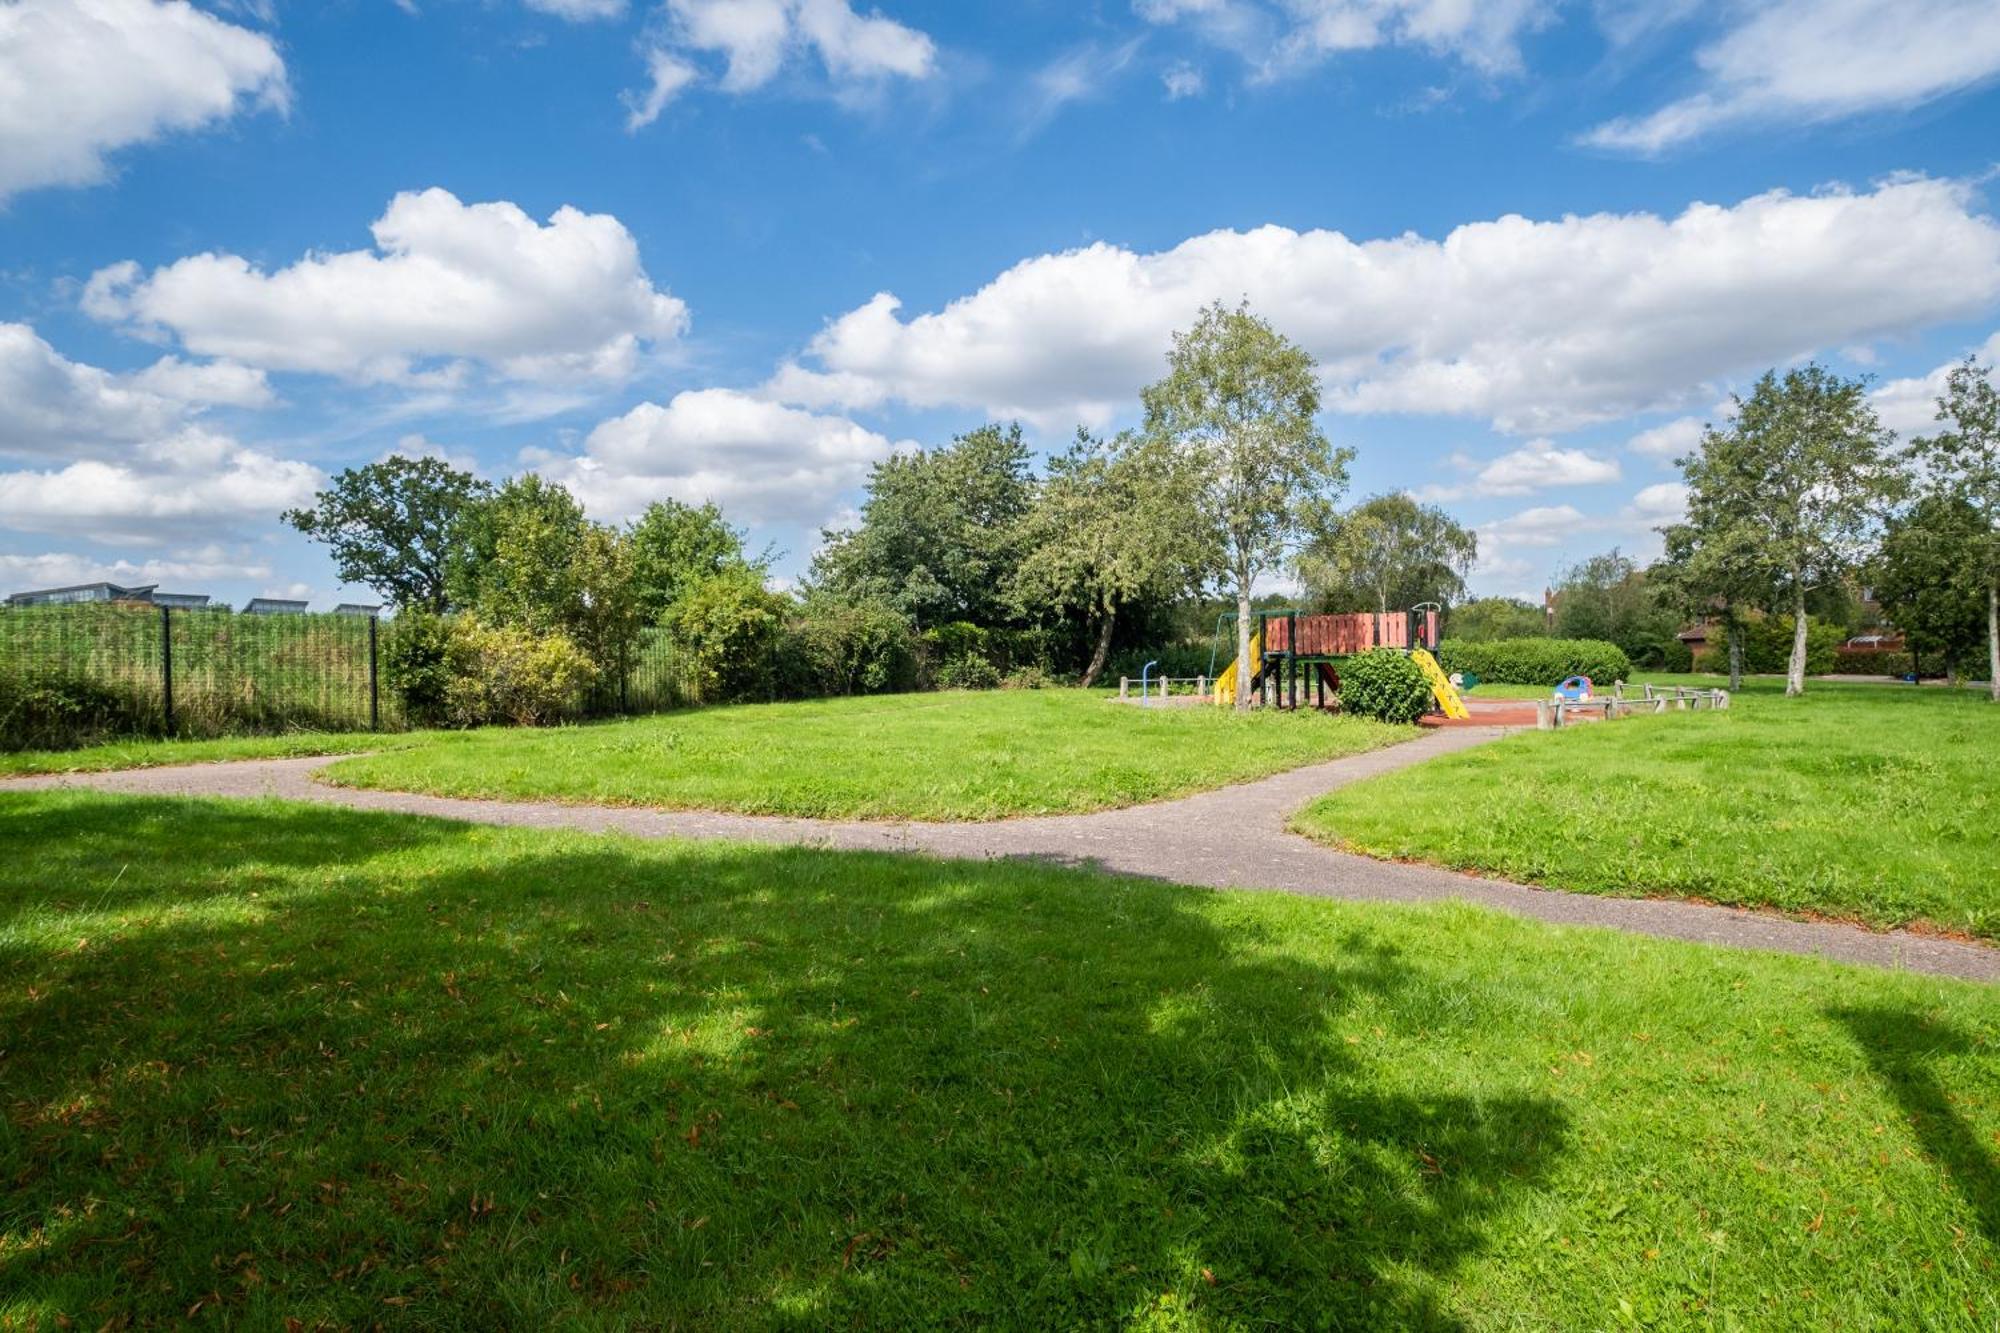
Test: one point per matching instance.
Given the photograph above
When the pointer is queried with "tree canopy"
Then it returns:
(1963, 463)
(1388, 552)
(393, 527)
(677, 545)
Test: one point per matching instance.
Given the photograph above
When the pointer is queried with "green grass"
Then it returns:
(266, 1062)
(158, 753)
(1874, 803)
(915, 756)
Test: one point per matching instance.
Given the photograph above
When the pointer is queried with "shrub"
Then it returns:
(961, 638)
(840, 647)
(53, 710)
(1676, 656)
(1767, 645)
(968, 671)
(1384, 684)
(502, 674)
(732, 625)
(1027, 678)
(415, 666)
(1870, 662)
(1175, 659)
(1537, 661)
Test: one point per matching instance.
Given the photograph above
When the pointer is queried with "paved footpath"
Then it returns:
(1232, 838)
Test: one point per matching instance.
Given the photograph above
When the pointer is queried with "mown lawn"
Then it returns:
(952, 755)
(1875, 803)
(266, 1063)
(158, 753)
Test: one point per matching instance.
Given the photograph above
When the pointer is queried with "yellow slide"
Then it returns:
(1225, 684)
(1441, 686)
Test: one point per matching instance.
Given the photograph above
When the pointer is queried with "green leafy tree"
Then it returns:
(1388, 551)
(1609, 597)
(938, 532)
(392, 526)
(732, 625)
(1112, 524)
(1804, 469)
(1963, 460)
(676, 545)
(1490, 619)
(1931, 581)
(518, 564)
(1238, 404)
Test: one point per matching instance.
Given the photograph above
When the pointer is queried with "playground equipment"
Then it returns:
(1575, 690)
(1295, 657)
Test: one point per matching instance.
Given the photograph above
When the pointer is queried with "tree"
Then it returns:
(1714, 570)
(392, 526)
(1387, 551)
(1486, 619)
(676, 545)
(938, 531)
(1238, 403)
(1112, 524)
(1609, 597)
(1805, 467)
(1931, 581)
(1964, 461)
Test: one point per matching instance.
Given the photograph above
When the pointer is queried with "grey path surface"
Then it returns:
(1233, 838)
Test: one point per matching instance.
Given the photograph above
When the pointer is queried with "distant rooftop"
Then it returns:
(357, 609)
(274, 606)
(83, 592)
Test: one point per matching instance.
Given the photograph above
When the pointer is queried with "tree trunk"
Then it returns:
(1993, 639)
(1735, 655)
(1102, 651)
(1243, 645)
(1795, 678)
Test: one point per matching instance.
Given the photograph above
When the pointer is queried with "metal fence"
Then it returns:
(74, 675)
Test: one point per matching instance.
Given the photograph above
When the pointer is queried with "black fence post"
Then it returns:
(374, 681)
(167, 666)
(624, 678)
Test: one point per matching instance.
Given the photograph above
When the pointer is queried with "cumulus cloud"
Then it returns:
(761, 461)
(579, 11)
(1909, 406)
(189, 569)
(757, 40)
(1538, 465)
(1282, 37)
(1668, 441)
(1819, 60)
(80, 79)
(448, 285)
(1538, 326)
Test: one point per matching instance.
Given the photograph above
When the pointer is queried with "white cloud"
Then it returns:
(212, 383)
(1805, 61)
(1659, 504)
(1670, 440)
(82, 78)
(193, 483)
(1283, 37)
(579, 11)
(1909, 406)
(183, 571)
(449, 284)
(1182, 80)
(1077, 75)
(756, 40)
(1537, 326)
(1537, 465)
(760, 461)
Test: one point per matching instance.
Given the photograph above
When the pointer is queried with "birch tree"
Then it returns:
(1238, 403)
(1964, 461)
(1798, 477)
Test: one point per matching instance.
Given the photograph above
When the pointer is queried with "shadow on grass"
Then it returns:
(1903, 1047)
(470, 1076)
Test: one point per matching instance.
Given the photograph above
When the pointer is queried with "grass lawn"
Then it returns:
(1871, 802)
(914, 756)
(263, 1062)
(156, 754)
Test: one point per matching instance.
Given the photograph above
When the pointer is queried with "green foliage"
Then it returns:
(837, 647)
(1387, 553)
(1487, 618)
(1871, 662)
(1931, 580)
(50, 709)
(392, 526)
(1538, 661)
(676, 545)
(959, 638)
(416, 664)
(1609, 597)
(967, 671)
(1768, 640)
(1384, 684)
(505, 674)
(1174, 659)
(732, 626)
(1028, 678)
(939, 531)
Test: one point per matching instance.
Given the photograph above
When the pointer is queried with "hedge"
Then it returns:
(1384, 684)
(1536, 661)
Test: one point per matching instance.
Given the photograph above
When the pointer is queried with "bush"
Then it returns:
(1537, 661)
(415, 665)
(837, 647)
(1385, 684)
(732, 626)
(961, 638)
(502, 674)
(1027, 678)
(1869, 662)
(1767, 645)
(52, 710)
(1676, 656)
(968, 671)
(1177, 659)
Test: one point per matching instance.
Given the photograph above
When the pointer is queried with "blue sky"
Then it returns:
(741, 249)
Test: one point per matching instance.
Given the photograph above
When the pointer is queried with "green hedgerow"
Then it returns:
(1384, 684)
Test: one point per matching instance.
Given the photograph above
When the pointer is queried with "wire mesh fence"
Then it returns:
(79, 674)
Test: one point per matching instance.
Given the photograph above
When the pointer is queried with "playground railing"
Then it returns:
(1553, 713)
(1162, 687)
